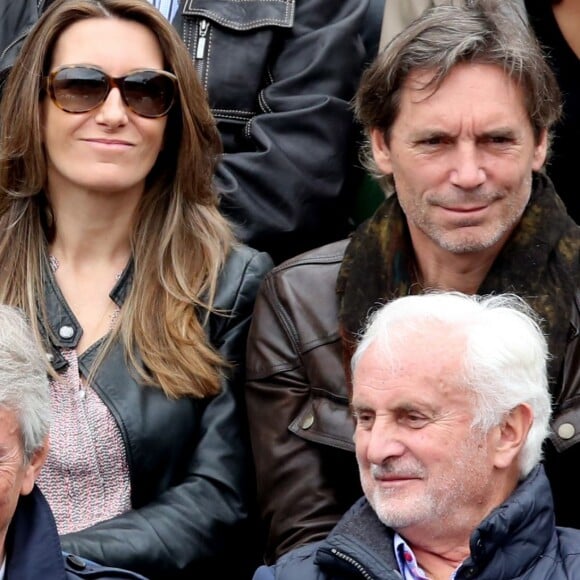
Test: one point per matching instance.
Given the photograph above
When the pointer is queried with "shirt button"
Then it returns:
(66, 331)
(566, 431)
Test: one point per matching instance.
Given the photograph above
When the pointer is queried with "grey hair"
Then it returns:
(480, 31)
(24, 386)
(506, 353)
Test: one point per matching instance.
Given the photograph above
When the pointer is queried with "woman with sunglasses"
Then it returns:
(112, 243)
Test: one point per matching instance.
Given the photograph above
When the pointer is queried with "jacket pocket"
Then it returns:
(325, 421)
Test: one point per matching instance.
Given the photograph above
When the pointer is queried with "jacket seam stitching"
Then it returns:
(236, 26)
(331, 259)
(285, 320)
(230, 113)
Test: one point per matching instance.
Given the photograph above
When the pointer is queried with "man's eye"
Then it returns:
(415, 421)
(499, 140)
(364, 419)
(432, 141)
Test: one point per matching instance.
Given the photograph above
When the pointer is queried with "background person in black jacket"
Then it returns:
(112, 242)
(279, 77)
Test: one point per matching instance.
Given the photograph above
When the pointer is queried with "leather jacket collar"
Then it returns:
(64, 331)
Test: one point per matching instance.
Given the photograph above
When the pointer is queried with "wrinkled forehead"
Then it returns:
(429, 360)
(423, 83)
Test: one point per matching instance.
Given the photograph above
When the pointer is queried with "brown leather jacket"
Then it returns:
(300, 423)
(297, 400)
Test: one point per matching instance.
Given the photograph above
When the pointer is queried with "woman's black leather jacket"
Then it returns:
(188, 459)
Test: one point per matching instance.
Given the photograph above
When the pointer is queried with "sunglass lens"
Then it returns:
(79, 89)
(149, 93)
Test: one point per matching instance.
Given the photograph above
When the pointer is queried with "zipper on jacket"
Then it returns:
(359, 568)
(202, 30)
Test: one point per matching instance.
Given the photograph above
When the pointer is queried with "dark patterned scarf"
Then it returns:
(540, 262)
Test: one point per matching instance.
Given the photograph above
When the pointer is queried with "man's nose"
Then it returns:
(467, 172)
(384, 441)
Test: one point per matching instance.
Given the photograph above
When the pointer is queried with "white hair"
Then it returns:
(24, 386)
(505, 354)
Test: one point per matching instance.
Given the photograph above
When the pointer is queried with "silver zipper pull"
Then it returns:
(201, 39)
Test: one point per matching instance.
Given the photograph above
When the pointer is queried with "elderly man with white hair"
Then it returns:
(29, 542)
(451, 402)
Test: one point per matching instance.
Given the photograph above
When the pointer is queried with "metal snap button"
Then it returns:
(66, 331)
(566, 431)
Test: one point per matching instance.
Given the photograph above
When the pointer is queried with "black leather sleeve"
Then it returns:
(287, 188)
(191, 527)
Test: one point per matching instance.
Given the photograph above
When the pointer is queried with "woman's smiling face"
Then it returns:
(109, 149)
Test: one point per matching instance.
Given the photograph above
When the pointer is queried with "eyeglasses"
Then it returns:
(79, 89)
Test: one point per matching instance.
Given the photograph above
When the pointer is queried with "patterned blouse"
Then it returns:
(86, 476)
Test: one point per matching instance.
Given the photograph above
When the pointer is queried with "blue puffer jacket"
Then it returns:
(34, 552)
(518, 540)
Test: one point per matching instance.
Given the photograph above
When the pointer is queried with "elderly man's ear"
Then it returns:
(33, 467)
(511, 435)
